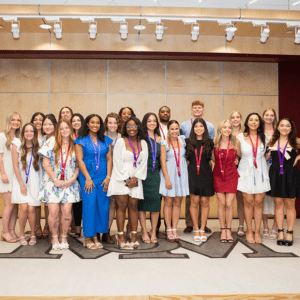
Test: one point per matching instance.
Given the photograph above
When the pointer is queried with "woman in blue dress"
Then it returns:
(174, 183)
(94, 156)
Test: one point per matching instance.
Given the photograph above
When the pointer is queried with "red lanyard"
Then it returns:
(63, 165)
(192, 122)
(75, 136)
(162, 131)
(177, 160)
(220, 158)
(254, 151)
(198, 160)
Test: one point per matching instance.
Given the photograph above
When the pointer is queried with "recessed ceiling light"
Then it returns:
(45, 26)
(252, 1)
(139, 27)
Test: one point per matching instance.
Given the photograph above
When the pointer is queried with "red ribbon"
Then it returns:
(177, 160)
(254, 151)
(63, 165)
(198, 160)
(162, 130)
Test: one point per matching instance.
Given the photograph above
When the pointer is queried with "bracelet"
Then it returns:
(54, 179)
(22, 185)
(108, 177)
(88, 179)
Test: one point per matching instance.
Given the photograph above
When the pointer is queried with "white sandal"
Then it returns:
(122, 245)
(266, 234)
(24, 243)
(136, 243)
(203, 238)
(273, 235)
(241, 232)
(197, 238)
(32, 243)
(56, 246)
(64, 245)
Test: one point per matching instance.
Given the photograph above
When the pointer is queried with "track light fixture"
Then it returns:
(15, 29)
(93, 30)
(297, 35)
(58, 29)
(159, 31)
(265, 32)
(195, 31)
(124, 30)
(230, 30)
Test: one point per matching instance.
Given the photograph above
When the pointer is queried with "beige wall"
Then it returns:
(102, 86)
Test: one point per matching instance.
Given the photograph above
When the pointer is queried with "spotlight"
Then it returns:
(297, 35)
(230, 30)
(93, 30)
(159, 31)
(265, 32)
(195, 32)
(58, 30)
(124, 30)
(15, 29)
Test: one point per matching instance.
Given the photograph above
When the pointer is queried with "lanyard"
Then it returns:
(220, 158)
(198, 160)
(192, 122)
(281, 159)
(134, 155)
(162, 131)
(115, 139)
(177, 159)
(97, 159)
(63, 164)
(75, 136)
(153, 153)
(28, 171)
(254, 151)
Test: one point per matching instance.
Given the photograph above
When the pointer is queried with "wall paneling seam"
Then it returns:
(222, 90)
(165, 82)
(49, 85)
(107, 77)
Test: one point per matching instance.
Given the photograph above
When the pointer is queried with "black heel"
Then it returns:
(229, 240)
(223, 240)
(287, 242)
(280, 242)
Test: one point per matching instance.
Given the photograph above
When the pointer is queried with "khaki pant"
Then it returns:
(188, 219)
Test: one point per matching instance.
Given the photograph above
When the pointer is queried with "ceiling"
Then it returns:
(243, 4)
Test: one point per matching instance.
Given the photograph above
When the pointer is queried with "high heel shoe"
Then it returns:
(153, 241)
(203, 238)
(7, 240)
(122, 245)
(146, 241)
(91, 245)
(288, 242)
(38, 232)
(56, 246)
(64, 245)
(170, 238)
(176, 236)
(46, 232)
(134, 244)
(241, 232)
(229, 240)
(97, 243)
(223, 240)
(197, 237)
(280, 242)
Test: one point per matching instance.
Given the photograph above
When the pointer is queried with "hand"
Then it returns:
(168, 184)
(296, 160)
(105, 183)
(131, 183)
(236, 161)
(4, 178)
(68, 183)
(58, 183)
(89, 184)
(23, 190)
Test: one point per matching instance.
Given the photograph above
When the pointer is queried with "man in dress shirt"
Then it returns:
(197, 112)
(164, 115)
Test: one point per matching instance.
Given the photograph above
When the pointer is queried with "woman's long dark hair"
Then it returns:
(52, 118)
(192, 140)
(140, 134)
(144, 125)
(132, 112)
(260, 129)
(84, 130)
(292, 135)
(38, 114)
(79, 116)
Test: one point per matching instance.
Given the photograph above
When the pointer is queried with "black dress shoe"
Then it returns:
(207, 230)
(288, 242)
(280, 242)
(188, 229)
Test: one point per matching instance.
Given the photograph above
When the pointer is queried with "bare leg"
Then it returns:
(112, 210)
(23, 218)
(38, 231)
(229, 214)
(194, 212)
(66, 219)
(46, 215)
(122, 204)
(54, 220)
(176, 214)
(6, 216)
(240, 208)
(204, 213)
(32, 222)
(279, 215)
(133, 217)
(290, 216)
(168, 207)
(248, 213)
(265, 221)
(258, 212)
(142, 217)
(222, 213)
(154, 221)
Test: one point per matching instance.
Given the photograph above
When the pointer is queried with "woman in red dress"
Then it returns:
(225, 176)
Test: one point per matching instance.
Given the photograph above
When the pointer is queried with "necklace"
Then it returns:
(162, 131)
(254, 151)
(97, 159)
(135, 157)
(177, 159)
(28, 170)
(281, 158)
(63, 164)
(220, 158)
(153, 153)
(198, 160)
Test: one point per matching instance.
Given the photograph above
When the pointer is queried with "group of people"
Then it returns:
(90, 170)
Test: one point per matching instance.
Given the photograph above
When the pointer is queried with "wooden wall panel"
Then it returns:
(139, 76)
(78, 76)
(14, 9)
(291, 15)
(80, 103)
(194, 77)
(24, 75)
(26, 104)
(250, 78)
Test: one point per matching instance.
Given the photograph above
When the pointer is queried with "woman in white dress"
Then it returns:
(270, 121)
(9, 215)
(130, 159)
(49, 125)
(254, 178)
(59, 185)
(26, 180)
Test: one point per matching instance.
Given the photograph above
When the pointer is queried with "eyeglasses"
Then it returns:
(132, 127)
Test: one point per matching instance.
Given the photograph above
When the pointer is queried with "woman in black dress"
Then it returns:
(284, 177)
(200, 175)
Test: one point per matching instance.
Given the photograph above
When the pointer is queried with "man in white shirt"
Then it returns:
(164, 115)
(197, 112)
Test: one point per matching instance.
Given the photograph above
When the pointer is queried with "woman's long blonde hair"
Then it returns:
(233, 112)
(58, 140)
(8, 128)
(218, 136)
